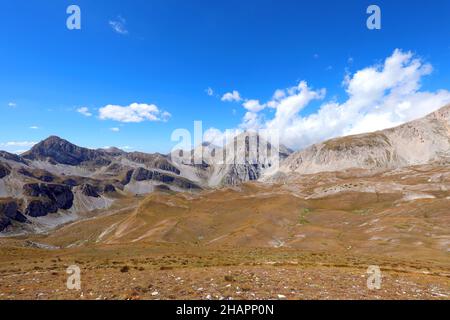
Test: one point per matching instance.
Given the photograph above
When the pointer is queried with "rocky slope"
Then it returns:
(56, 180)
(247, 158)
(56, 150)
(392, 212)
(418, 142)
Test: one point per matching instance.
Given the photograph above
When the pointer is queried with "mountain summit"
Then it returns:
(57, 150)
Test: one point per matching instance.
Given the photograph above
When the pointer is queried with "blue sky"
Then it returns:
(170, 52)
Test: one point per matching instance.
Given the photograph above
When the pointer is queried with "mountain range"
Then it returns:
(56, 181)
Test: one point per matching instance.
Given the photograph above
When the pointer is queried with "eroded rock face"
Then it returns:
(162, 188)
(37, 174)
(109, 188)
(166, 166)
(126, 180)
(241, 173)
(59, 196)
(153, 160)
(142, 174)
(70, 182)
(5, 222)
(185, 184)
(20, 217)
(89, 191)
(4, 171)
(40, 208)
(10, 211)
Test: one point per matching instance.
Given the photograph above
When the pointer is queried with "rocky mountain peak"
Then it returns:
(417, 142)
(57, 150)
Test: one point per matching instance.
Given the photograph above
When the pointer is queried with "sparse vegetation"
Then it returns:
(229, 278)
(302, 218)
(297, 245)
(361, 212)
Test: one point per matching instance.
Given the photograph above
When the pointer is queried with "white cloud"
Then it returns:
(34, 127)
(279, 94)
(232, 96)
(17, 147)
(251, 121)
(119, 25)
(12, 104)
(165, 116)
(253, 105)
(214, 136)
(115, 129)
(18, 144)
(135, 112)
(84, 111)
(219, 138)
(209, 92)
(378, 97)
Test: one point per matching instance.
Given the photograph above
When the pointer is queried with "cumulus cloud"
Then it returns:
(135, 112)
(253, 105)
(119, 25)
(378, 97)
(279, 94)
(84, 111)
(219, 138)
(233, 96)
(213, 136)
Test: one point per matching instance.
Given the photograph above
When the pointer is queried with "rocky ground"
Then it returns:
(165, 272)
(306, 237)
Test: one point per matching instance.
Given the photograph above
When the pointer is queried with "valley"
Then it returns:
(141, 227)
(311, 238)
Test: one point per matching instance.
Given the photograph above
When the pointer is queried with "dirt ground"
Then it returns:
(313, 237)
(165, 272)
